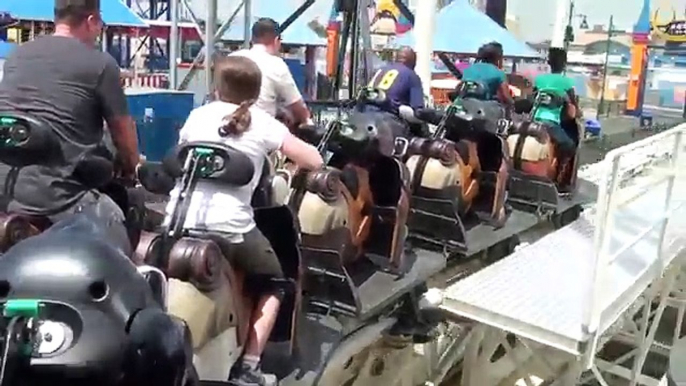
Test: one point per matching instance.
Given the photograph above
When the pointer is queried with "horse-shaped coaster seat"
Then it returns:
(532, 150)
(541, 169)
(204, 289)
(27, 141)
(445, 168)
(357, 206)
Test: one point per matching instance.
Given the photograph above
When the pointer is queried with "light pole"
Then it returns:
(601, 102)
(569, 30)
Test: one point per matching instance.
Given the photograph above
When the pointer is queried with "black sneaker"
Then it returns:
(244, 375)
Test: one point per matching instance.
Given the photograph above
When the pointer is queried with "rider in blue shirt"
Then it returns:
(402, 85)
(487, 71)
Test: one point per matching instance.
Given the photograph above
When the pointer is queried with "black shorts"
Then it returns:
(254, 256)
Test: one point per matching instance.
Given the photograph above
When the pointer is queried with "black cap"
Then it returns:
(265, 28)
(87, 4)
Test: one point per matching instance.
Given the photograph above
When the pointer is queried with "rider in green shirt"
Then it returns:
(561, 86)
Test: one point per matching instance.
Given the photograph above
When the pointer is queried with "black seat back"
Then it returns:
(25, 140)
(549, 100)
(472, 89)
(370, 96)
(217, 161)
(370, 134)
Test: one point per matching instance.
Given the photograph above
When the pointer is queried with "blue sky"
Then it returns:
(536, 25)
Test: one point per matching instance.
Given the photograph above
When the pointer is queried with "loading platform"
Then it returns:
(574, 286)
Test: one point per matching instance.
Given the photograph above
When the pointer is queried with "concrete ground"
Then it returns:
(622, 130)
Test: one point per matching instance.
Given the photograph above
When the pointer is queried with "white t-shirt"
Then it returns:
(222, 207)
(278, 86)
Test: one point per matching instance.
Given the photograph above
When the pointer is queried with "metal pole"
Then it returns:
(354, 52)
(601, 102)
(174, 44)
(200, 57)
(210, 30)
(570, 20)
(558, 39)
(424, 27)
(248, 23)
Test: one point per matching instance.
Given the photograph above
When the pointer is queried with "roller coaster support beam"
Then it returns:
(210, 30)
(441, 55)
(247, 23)
(195, 66)
(423, 34)
(174, 44)
(295, 15)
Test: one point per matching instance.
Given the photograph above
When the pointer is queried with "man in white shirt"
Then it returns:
(278, 86)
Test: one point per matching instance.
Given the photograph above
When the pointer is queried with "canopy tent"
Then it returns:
(114, 12)
(299, 33)
(462, 29)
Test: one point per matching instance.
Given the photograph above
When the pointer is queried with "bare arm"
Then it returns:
(300, 113)
(504, 94)
(116, 112)
(289, 93)
(303, 154)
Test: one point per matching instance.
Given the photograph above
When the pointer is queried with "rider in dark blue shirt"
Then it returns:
(402, 85)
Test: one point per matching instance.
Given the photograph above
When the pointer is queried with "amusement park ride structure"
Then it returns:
(538, 295)
(650, 33)
(564, 295)
(167, 15)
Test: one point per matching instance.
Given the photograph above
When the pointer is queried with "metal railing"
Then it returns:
(635, 203)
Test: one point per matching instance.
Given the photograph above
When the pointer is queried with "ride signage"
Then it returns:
(676, 28)
(672, 31)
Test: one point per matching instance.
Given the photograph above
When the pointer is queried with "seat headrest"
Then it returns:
(25, 140)
(217, 161)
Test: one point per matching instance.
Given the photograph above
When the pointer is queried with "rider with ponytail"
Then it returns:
(225, 211)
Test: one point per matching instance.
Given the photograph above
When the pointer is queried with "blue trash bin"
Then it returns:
(593, 127)
(159, 115)
(646, 120)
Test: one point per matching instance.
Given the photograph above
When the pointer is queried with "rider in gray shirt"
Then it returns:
(66, 83)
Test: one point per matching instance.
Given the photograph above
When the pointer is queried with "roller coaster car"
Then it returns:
(353, 217)
(540, 172)
(204, 289)
(106, 323)
(460, 171)
(26, 141)
(359, 204)
(490, 126)
(443, 174)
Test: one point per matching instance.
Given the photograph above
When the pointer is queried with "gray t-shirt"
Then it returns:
(72, 87)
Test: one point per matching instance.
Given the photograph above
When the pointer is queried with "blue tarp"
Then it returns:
(5, 49)
(299, 33)
(114, 12)
(462, 29)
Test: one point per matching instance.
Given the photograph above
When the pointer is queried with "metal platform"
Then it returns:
(380, 289)
(566, 289)
(514, 295)
(481, 236)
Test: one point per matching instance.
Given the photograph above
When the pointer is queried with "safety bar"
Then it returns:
(613, 197)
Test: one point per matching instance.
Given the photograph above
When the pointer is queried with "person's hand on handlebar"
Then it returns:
(129, 177)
